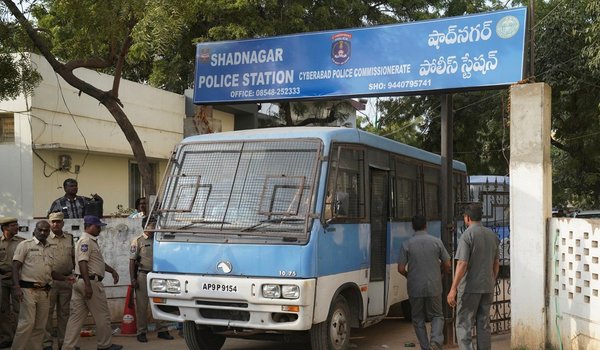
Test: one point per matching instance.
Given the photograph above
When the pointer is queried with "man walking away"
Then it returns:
(423, 254)
(474, 280)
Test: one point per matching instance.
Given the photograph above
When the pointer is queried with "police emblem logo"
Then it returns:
(132, 249)
(341, 48)
(507, 27)
(204, 55)
(84, 248)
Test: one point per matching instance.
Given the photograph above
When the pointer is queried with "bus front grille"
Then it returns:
(219, 314)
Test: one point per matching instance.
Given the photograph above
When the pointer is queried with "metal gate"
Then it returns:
(493, 194)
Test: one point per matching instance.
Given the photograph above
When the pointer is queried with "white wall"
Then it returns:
(16, 192)
(60, 111)
(574, 285)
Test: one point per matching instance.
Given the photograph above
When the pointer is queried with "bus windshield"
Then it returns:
(250, 188)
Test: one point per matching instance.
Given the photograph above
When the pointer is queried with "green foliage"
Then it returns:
(566, 53)
(16, 75)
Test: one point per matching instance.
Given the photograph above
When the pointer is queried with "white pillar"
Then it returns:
(530, 206)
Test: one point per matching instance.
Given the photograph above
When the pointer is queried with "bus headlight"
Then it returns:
(290, 291)
(158, 285)
(272, 291)
(165, 285)
(173, 286)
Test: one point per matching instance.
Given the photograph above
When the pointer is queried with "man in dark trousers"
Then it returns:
(71, 205)
(423, 254)
(474, 280)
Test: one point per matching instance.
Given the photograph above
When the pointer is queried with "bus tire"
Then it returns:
(201, 338)
(334, 333)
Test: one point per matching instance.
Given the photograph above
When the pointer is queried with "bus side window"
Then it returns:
(345, 197)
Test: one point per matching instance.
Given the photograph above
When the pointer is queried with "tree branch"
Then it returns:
(61, 69)
(121, 61)
(92, 63)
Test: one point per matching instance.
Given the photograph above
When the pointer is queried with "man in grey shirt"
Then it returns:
(474, 280)
(423, 254)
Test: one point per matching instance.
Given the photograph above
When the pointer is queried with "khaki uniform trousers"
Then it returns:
(9, 313)
(32, 320)
(141, 306)
(79, 308)
(59, 298)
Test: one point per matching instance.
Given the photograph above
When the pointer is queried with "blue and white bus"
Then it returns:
(288, 231)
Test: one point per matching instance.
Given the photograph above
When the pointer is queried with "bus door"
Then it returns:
(379, 216)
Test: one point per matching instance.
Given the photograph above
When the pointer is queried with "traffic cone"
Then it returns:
(129, 326)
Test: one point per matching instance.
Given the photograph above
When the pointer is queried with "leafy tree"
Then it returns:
(16, 76)
(103, 36)
(567, 53)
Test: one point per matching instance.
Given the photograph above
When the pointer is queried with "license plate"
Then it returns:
(219, 287)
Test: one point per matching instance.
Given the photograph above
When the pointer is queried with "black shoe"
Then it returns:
(142, 338)
(113, 347)
(165, 335)
(5, 344)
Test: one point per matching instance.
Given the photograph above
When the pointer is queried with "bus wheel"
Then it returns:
(333, 334)
(201, 338)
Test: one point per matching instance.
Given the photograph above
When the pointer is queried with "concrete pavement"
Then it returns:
(391, 334)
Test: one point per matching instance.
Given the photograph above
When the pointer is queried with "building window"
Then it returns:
(7, 128)
(136, 189)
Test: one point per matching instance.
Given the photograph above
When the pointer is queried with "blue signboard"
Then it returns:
(452, 53)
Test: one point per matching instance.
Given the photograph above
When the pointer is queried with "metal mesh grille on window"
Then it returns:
(247, 187)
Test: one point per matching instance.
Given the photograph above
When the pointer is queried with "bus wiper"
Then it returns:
(270, 221)
(199, 222)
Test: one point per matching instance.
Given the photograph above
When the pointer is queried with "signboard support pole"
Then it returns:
(447, 207)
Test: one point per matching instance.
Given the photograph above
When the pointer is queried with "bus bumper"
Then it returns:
(233, 302)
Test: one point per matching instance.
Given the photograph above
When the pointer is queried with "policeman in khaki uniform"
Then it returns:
(88, 290)
(60, 294)
(8, 315)
(32, 273)
(140, 263)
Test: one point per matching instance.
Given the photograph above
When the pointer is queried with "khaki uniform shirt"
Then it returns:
(63, 253)
(7, 251)
(87, 249)
(37, 260)
(141, 248)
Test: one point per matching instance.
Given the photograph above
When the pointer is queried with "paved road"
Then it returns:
(391, 334)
